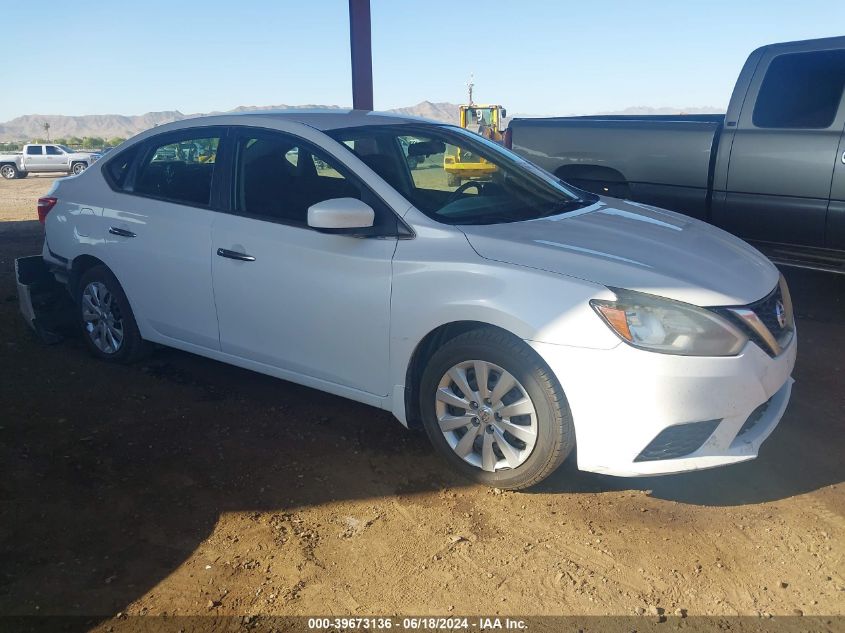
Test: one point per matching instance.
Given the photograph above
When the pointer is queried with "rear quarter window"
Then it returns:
(117, 169)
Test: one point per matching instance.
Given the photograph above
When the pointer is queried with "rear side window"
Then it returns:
(34, 149)
(801, 90)
(117, 168)
(179, 171)
(52, 150)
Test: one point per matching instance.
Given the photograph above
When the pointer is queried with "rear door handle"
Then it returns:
(241, 257)
(121, 232)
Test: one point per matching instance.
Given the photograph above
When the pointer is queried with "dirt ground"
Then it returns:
(18, 197)
(184, 486)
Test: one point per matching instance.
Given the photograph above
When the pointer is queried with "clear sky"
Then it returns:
(535, 57)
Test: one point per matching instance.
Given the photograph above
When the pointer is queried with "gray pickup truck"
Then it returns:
(45, 158)
(771, 170)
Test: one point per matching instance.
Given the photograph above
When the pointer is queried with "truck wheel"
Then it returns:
(493, 410)
(9, 172)
(78, 168)
(108, 324)
(453, 180)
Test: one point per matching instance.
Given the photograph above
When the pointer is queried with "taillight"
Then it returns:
(507, 138)
(45, 205)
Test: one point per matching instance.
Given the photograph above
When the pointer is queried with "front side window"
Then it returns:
(179, 171)
(278, 178)
(457, 177)
(34, 150)
(52, 150)
(801, 91)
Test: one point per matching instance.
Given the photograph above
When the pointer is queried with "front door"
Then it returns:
(312, 304)
(835, 237)
(785, 147)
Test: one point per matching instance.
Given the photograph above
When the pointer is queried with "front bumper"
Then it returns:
(623, 398)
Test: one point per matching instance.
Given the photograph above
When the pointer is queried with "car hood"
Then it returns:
(635, 246)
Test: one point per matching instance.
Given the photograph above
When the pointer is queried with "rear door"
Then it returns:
(311, 304)
(785, 146)
(34, 159)
(157, 228)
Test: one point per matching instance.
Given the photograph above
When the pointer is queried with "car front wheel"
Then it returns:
(493, 409)
(78, 168)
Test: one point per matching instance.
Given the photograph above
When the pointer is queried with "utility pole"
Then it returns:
(361, 47)
(470, 86)
(46, 127)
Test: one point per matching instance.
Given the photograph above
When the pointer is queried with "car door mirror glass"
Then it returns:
(341, 215)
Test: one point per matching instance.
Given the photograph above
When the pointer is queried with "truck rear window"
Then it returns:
(801, 90)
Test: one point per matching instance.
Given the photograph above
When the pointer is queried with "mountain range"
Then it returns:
(111, 125)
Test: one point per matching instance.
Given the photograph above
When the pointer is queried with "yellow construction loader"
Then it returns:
(485, 120)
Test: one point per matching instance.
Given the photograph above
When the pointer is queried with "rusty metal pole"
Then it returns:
(360, 44)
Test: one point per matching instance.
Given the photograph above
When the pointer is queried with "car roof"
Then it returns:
(330, 119)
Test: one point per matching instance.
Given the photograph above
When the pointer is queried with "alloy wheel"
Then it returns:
(486, 415)
(101, 318)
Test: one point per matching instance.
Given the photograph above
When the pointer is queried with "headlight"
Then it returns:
(667, 326)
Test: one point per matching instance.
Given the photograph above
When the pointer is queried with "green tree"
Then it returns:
(115, 141)
(92, 142)
(74, 140)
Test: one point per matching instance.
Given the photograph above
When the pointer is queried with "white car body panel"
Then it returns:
(331, 294)
(345, 315)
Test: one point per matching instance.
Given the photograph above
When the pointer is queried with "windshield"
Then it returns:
(457, 177)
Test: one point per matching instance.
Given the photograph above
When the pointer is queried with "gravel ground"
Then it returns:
(184, 486)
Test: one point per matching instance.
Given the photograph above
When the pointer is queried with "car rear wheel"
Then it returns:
(8, 172)
(108, 324)
(493, 409)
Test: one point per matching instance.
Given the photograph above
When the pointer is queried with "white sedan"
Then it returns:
(507, 313)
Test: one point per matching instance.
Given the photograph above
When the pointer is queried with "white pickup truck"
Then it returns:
(45, 157)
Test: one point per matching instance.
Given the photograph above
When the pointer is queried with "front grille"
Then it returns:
(766, 310)
(677, 441)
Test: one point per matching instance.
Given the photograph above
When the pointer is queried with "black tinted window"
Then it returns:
(179, 171)
(52, 150)
(279, 179)
(117, 168)
(34, 149)
(801, 90)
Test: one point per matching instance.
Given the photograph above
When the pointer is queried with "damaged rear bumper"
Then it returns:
(44, 303)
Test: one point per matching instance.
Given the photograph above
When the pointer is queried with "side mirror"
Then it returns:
(345, 216)
(504, 113)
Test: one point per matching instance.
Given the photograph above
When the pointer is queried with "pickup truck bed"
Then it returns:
(667, 161)
(771, 170)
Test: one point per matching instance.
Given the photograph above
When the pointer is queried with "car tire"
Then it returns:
(78, 168)
(453, 180)
(108, 324)
(549, 427)
(9, 172)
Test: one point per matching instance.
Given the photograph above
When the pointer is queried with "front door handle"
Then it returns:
(114, 230)
(241, 257)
